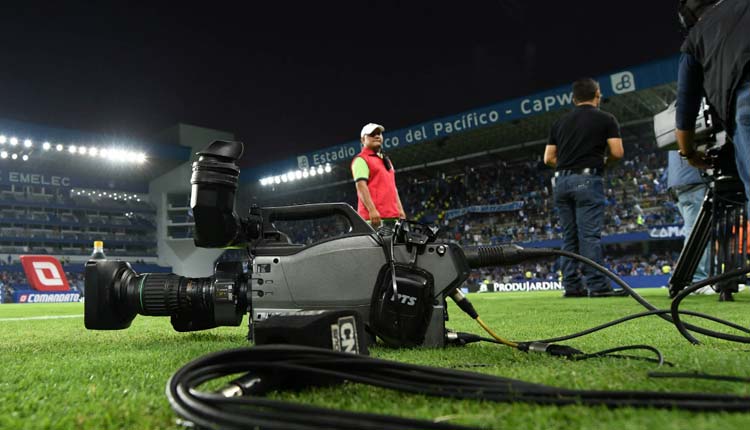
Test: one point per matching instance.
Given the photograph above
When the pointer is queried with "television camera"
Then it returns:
(396, 283)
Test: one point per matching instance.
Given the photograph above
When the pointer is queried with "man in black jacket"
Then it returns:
(715, 61)
(577, 146)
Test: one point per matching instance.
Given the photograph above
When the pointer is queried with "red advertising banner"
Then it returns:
(44, 273)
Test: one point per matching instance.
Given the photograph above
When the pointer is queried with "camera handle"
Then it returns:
(312, 211)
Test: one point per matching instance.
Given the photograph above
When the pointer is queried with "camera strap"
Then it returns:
(388, 250)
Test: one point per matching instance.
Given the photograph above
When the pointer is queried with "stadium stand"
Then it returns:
(35, 220)
(487, 185)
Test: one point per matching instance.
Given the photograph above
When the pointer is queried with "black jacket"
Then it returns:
(720, 42)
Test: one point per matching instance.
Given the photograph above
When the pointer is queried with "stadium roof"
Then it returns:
(633, 95)
(634, 111)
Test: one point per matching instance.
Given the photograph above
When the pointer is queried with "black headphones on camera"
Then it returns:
(690, 11)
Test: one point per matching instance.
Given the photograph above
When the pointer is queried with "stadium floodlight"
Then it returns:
(291, 176)
(25, 157)
(46, 146)
(82, 150)
(93, 151)
(3, 139)
(13, 141)
(28, 143)
(59, 147)
(262, 182)
(312, 171)
(14, 156)
(141, 158)
(305, 174)
(327, 168)
(72, 149)
(277, 179)
(284, 178)
(4, 154)
(104, 153)
(320, 170)
(298, 174)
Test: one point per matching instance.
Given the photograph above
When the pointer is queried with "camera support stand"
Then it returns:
(720, 222)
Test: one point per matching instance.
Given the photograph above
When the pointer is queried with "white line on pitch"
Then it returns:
(46, 317)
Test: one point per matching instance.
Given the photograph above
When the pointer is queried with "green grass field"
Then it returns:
(57, 374)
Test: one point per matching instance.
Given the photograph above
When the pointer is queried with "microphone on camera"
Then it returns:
(503, 255)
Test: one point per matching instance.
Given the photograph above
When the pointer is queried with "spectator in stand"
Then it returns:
(576, 149)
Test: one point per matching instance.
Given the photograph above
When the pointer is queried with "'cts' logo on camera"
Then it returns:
(44, 273)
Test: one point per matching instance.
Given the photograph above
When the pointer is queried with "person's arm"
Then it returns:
(401, 213)
(361, 174)
(550, 151)
(364, 196)
(616, 151)
(689, 94)
(550, 155)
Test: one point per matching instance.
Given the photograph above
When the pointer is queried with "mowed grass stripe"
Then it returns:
(57, 374)
(43, 317)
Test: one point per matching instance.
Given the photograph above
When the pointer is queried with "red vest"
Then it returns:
(382, 186)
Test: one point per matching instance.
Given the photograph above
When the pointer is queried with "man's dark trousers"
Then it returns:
(579, 199)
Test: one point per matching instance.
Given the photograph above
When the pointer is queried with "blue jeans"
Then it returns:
(580, 202)
(689, 204)
(742, 136)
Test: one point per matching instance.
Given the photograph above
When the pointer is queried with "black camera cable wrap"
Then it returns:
(277, 367)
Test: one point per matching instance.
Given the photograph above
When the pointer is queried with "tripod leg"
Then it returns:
(727, 230)
(694, 247)
(730, 214)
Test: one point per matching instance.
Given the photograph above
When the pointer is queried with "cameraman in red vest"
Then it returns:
(375, 178)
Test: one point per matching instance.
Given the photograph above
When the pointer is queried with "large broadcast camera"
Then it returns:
(396, 283)
(710, 138)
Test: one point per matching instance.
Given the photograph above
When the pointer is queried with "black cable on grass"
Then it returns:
(674, 317)
(293, 367)
(610, 353)
(641, 315)
(683, 328)
(698, 375)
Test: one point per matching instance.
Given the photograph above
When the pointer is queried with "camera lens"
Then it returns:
(116, 294)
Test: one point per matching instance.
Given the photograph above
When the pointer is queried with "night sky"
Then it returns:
(289, 77)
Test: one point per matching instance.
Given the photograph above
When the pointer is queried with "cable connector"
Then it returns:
(245, 384)
(460, 338)
(463, 303)
(549, 348)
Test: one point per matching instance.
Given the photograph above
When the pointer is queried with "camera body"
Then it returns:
(710, 138)
(346, 273)
(396, 283)
(664, 127)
